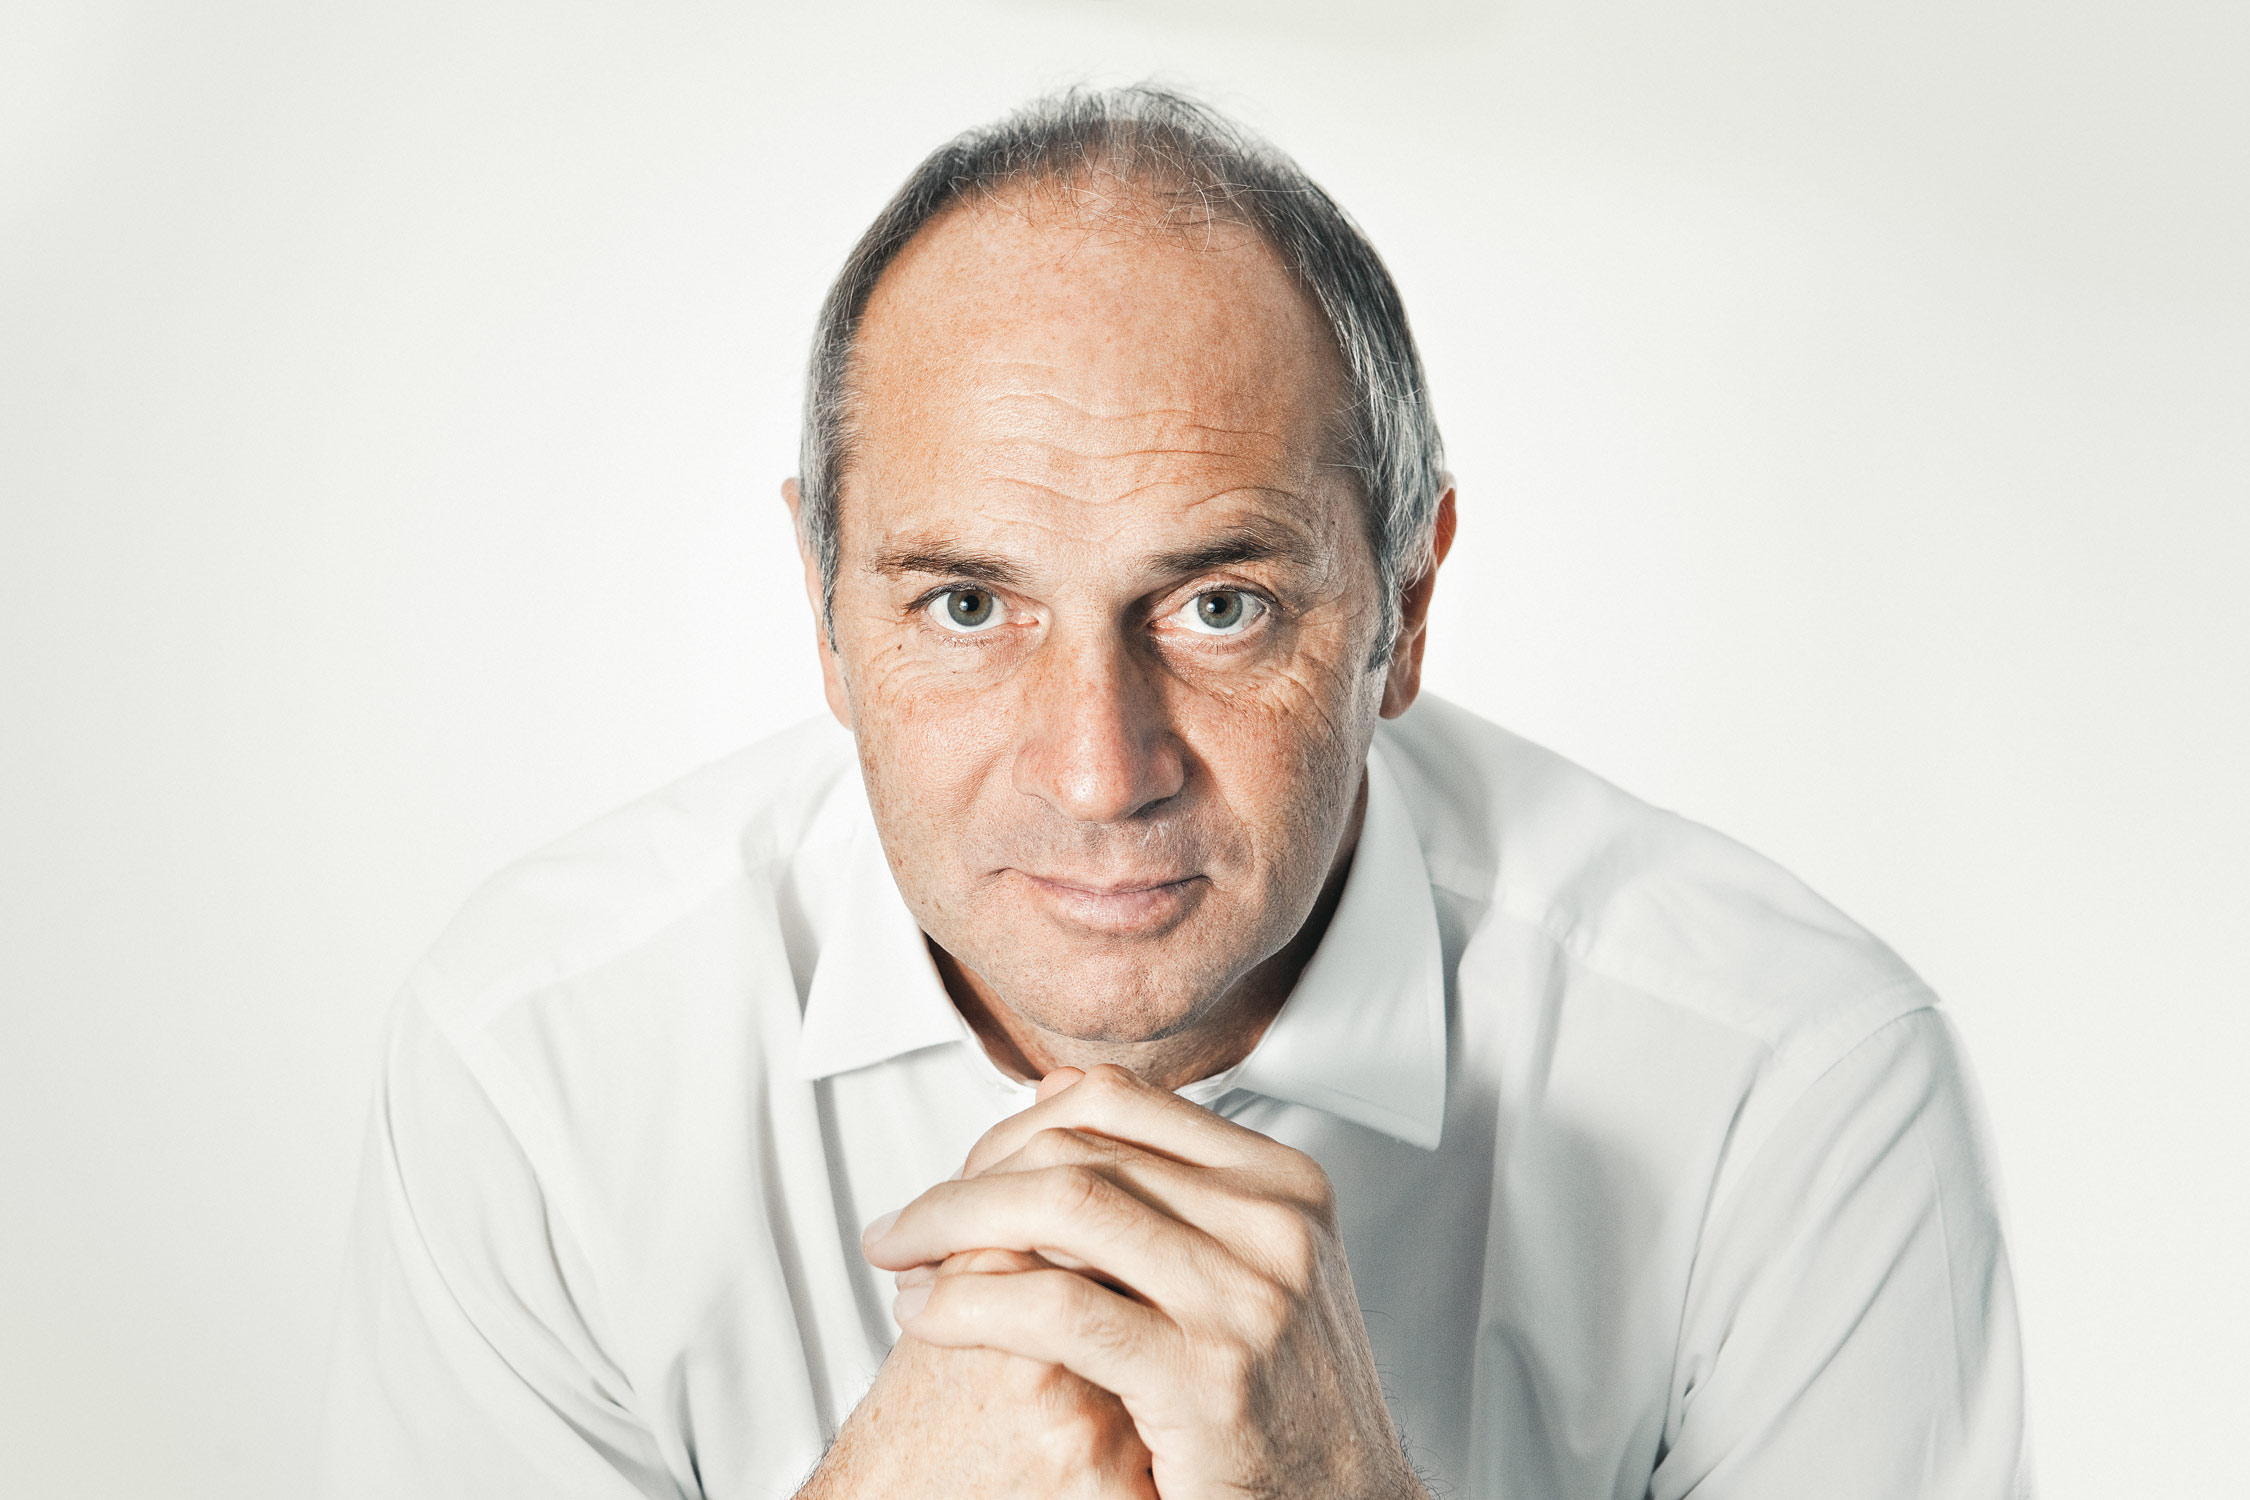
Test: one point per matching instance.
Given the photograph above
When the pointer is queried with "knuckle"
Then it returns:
(1284, 1237)
(1300, 1264)
(1266, 1307)
(1062, 1437)
(1077, 1421)
(1091, 1315)
(1105, 1092)
(1026, 1380)
(1053, 1145)
(1077, 1191)
(1228, 1374)
(1314, 1189)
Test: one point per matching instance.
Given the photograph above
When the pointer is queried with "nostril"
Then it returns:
(1099, 745)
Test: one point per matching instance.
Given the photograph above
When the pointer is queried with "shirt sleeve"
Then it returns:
(466, 1362)
(1850, 1326)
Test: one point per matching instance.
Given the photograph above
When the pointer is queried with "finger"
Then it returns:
(1194, 1195)
(1055, 1082)
(1240, 1211)
(982, 1259)
(1056, 1318)
(1072, 1215)
(1058, 1145)
(1111, 1101)
(986, 1258)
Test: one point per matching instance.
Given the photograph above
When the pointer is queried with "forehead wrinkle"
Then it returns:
(1290, 498)
(1079, 471)
(1115, 454)
(1169, 430)
(1124, 414)
(1048, 397)
(1078, 385)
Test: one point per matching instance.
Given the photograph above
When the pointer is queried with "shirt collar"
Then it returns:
(875, 993)
(1362, 1035)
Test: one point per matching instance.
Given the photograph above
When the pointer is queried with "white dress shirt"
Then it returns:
(1657, 1175)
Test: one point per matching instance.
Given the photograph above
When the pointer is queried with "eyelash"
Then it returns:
(1260, 607)
(924, 603)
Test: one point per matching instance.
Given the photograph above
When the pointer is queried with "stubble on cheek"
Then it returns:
(924, 779)
(1275, 790)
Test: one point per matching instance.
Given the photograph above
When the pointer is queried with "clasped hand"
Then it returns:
(1187, 1266)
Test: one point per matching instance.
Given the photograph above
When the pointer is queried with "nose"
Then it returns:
(1097, 741)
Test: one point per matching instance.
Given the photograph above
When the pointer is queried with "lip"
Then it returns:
(1119, 908)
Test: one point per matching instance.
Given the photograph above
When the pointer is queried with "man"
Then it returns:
(1149, 1053)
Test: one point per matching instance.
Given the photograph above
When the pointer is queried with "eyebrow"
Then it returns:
(1249, 542)
(943, 559)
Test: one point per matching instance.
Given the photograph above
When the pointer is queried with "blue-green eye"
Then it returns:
(1221, 611)
(965, 611)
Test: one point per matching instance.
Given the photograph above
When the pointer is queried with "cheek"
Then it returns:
(930, 745)
(1284, 755)
(893, 670)
(1314, 697)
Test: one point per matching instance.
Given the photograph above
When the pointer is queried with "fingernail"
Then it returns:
(878, 1227)
(910, 1302)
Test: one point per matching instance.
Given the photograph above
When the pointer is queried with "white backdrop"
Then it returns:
(1852, 410)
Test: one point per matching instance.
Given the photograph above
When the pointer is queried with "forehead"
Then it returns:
(1025, 352)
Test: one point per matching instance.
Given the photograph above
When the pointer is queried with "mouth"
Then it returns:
(1126, 908)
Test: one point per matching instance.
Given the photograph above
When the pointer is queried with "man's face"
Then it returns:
(1105, 609)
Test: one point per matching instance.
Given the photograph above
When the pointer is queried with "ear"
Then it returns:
(831, 665)
(1404, 681)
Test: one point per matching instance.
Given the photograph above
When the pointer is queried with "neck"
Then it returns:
(1023, 1049)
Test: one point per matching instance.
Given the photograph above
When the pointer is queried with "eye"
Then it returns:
(965, 611)
(1221, 611)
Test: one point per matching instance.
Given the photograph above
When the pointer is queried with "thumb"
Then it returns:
(1055, 1082)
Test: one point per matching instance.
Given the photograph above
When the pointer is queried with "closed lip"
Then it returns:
(1139, 906)
(1081, 885)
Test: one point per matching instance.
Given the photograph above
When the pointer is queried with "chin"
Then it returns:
(1120, 1000)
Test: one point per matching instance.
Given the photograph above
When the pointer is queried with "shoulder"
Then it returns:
(612, 1009)
(591, 1048)
(626, 879)
(1638, 896)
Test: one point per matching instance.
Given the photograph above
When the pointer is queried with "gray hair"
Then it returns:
(1179, 151)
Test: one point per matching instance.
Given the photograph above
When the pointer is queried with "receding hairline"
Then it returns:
(1123, 207)
(1119, 210)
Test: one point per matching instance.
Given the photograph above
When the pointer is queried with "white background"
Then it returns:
(1852, 411)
